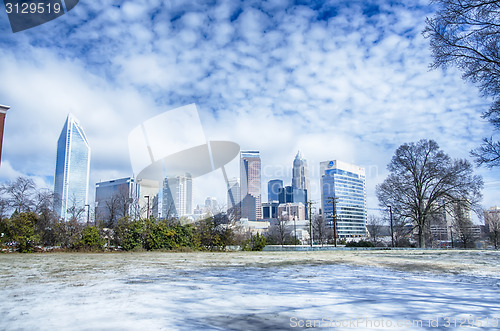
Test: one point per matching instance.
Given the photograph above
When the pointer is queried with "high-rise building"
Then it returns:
(273, 189)
(270, 209)
(289, 194)
(148, 193)
(115, 199)
(71, 181)
(292, 211)
(300, 174)
(233, 193)
(3, 111)
(346, 183)
(250, 176)
(211, 204)
(177, 196)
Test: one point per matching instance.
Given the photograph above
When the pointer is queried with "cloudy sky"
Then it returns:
(345, 80)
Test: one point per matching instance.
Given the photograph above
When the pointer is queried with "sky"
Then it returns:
(345, 80)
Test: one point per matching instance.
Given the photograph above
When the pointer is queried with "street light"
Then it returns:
(295, 227)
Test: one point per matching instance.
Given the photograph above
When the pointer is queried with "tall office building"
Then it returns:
(250, 176)
(300, 174)
(3, 112)
(71, 181)
(211, 204)
(115, 199)
(149, 201)
(273, 189)
(177, 196)
(346, 183)
(233, 193)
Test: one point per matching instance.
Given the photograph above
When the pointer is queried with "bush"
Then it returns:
(361, 243)
(22, 231)
(254, 243)
(90, 239)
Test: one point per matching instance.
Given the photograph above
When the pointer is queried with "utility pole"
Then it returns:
(333, 201)
(309, 205)
(392, 230)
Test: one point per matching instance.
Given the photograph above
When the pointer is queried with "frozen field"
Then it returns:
(338, 290)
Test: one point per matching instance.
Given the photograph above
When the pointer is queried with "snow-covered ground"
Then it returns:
(405, 290)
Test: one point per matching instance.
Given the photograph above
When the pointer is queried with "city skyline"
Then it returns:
(348, 80)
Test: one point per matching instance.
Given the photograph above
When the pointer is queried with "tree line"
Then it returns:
(29, 223)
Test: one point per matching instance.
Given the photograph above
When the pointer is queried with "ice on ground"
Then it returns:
(251, 291)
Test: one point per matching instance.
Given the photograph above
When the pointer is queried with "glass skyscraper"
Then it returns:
(346, 183)
(115, 199)
(233, 193)
(250, 176)
(71, 182)
(273, 190)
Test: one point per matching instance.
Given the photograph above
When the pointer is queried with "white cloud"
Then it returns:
(353, 84)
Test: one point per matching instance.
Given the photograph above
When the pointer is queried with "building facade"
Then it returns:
(233, 193)
(250, 192)
(211, 205)
(177, 199)
(273, 189)
(270, 209)
(115, 199)
(300, 173)
(346, 184)
(292, 211)
(71, 182)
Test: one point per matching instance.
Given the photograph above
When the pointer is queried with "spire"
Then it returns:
(298, 156)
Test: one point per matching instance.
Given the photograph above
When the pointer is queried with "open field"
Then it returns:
(426, 289)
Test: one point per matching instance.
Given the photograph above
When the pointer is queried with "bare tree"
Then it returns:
(466, 34)
(76, 209)
(280, 229)
(462, 223)
(421, 175)
(20, 194)
(375, 225)
(319, 229)
(492, 221)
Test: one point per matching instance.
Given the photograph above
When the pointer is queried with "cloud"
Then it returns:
(347, 80)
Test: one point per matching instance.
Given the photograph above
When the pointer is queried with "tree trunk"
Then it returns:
(421, 236)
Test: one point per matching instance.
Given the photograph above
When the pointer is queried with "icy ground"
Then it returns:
(405, 290)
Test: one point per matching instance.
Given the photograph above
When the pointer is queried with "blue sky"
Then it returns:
(345, 80)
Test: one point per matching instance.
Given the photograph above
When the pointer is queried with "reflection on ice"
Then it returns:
(232, 291)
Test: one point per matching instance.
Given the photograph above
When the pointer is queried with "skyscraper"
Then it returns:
(177, 196)
(300, 175)
(115, 199)
(233, 193)
(71, 182)
(250, 176)
(273, 189)
(3, 111)
(346, 183)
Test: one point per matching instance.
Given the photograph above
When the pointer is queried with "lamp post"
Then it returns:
(310, 203)
(295, 227)
(392, 230)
